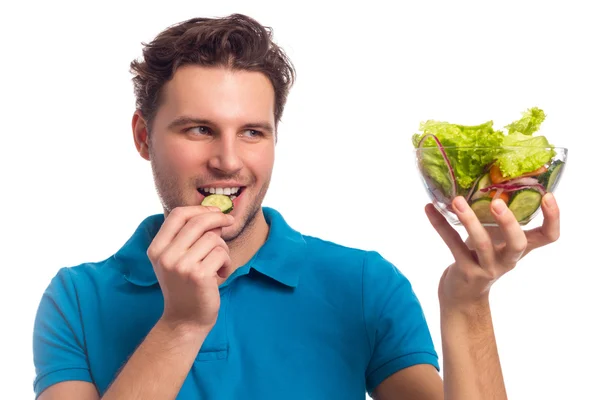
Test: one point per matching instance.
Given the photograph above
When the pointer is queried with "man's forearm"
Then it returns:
(472, 368)
(159, 366)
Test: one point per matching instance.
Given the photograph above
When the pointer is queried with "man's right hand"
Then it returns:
(191, 260)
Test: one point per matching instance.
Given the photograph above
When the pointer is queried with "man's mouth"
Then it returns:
(232, 192)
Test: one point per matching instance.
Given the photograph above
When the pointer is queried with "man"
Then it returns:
(199, 304)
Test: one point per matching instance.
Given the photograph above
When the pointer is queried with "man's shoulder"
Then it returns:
(347, 258)
(90, 273)
(321, 248)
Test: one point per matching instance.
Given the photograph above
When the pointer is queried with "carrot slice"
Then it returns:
(537, 172)
(496, 174)
(497, 177)
(504, 195)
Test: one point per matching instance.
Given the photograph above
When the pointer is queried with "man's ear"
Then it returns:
(140, 134)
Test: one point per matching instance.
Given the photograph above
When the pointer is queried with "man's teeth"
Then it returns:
(225, 191)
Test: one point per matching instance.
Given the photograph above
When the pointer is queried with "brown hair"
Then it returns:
(237, 42)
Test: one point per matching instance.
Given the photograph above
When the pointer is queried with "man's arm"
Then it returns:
(70, 390)
(156, 370)
(471, 362)
(471, 365)
(418, 382)
(160, 365)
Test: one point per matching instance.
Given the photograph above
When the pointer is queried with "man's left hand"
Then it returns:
(487, 254)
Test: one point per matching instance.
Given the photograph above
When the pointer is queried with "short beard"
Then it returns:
(249, 220)
(167, 188)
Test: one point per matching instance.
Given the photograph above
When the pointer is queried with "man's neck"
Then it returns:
(245, 246)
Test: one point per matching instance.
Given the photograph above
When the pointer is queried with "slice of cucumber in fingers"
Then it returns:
(524, 203)
(222, 201)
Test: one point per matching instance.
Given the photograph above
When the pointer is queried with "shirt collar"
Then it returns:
(279, 258)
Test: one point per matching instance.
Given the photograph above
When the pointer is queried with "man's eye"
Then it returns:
(199, 130)
(252, 133)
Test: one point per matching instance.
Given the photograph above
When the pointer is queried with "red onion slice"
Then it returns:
(446, 160)
(513, 187)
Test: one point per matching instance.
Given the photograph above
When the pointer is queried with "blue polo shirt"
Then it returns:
(303, 319)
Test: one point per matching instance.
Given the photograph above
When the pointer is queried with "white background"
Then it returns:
(74, 188)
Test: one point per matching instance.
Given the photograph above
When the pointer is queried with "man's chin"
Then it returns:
(243, 223)
(232, 232)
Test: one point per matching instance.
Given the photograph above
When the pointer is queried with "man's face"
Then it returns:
(214, 132)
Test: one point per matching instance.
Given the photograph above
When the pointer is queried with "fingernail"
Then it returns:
(550, 200)
(461, 204)
(499, 206)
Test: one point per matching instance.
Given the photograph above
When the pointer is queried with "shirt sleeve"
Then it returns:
(397, 330)
(58, 341)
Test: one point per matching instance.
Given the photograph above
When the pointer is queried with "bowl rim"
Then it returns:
(493, 147)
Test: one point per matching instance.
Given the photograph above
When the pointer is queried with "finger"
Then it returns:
(172, 225)
(194, 229)
(514, 237)
(198, 226)
(201, 248)
(495, 233)
(216, 263)
(479, 237)
(449, 235)
(551, 226)
(549, 232)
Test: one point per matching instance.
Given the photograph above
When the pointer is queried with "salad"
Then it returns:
(482, 163)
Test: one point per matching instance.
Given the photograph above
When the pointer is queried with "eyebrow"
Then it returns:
(183, 121)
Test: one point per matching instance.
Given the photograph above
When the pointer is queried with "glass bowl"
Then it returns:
(518, 175)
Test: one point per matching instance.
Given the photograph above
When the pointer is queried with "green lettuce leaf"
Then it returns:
(480, 146)
(529, 123)
(477, 143)
(526, 153)
(437, 170)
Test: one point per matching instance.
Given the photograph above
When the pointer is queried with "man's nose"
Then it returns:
(226, 158)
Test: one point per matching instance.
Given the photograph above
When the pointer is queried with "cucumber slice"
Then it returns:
(550, 178)
(483, 182)
(524, 203)
(219, 200)
(481, 208)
